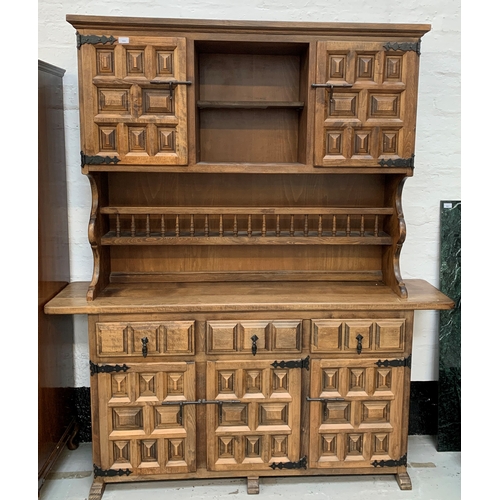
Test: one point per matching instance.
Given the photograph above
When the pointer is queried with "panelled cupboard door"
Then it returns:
(368, 115)
(128, 110)
(142, 426)
(258, 421)
(360, 421)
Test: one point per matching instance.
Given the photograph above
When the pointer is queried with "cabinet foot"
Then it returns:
(403, 480)
(97, 489)
(252, 485)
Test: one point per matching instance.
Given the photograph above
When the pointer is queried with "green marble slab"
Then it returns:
(449, 397)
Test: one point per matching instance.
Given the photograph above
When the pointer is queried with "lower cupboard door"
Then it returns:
(257, 423)
(143, 427)
(359, 417)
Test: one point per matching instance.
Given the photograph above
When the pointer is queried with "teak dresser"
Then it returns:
(247, 314)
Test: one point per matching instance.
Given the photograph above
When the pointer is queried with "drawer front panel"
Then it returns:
(224, 337)
(128, 338)
(352, 335)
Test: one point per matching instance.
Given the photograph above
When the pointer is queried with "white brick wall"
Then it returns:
(437, 171)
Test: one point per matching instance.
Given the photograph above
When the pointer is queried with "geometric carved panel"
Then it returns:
(253, 449)
(279, 446)
(354, 446)
(337, 66)
(361, 142)
(383, 379)
(365, 68)
(107, 139)
(227, 447)
(375, 412)
(343, 105)
(328, 446)
(175, 452)
(221, 336)
(334, 142)
(357, 379)
(286, 335)
(120, 387)
(337, 412)
(273, 414)
(157, 101)
(253, 383)
(135, 62)
(326, 335)
(384, 106)
(389, 142)
(330, 379)
(380, 444)
(127, 419)
(137, 139)
(147, 387)
(164, 63)
(233, 414)
(166, 417)
(166, 140)
(149, 453)
(280, 382)
(113, 101)
(393, 68)
(389, 334)
(175, 384)
(105, 62)
(356, 327)
(121, 453)
(226, 382)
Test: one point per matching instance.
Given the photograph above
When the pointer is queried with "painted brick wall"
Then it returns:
(437, 160)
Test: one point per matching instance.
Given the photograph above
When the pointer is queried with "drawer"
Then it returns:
(238, 336)
(129, 338)
(345, 335)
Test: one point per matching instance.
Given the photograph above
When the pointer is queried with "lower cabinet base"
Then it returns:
(253, 484)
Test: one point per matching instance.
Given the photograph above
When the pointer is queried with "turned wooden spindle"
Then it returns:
(148, 225)
(162, 225)
(320, 225)
(235, 226)
(118, 229)
(132, 226)
(207, 230)
(191, 226)
(348, 226)
(292, 229)
(278, 230)
(249, 228)
(362, 228)
(221, 225)
(264, 224)
(306, 225)
(177, 228)
(334, 226)
(375, 230)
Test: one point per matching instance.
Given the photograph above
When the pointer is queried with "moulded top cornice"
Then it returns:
(232, 26)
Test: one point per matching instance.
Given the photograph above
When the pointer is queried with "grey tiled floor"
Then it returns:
(434, 475)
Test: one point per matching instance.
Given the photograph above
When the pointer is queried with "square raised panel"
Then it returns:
(105, 59)
(343, 105)
(135, 62)
(113, 101)
(389, 335)
(157, 102)
(221, 336)
(326, 335)
(384, 105)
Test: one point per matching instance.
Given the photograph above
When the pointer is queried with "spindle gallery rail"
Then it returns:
(245, 225)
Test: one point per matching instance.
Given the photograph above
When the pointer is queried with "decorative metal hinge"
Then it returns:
(404, 46)
(390, 463)
(296, 363)
(106, 368)
(93, 39)
(301, 464)
(98, 472)
(395, 362)
(398, 162)
(97, 160)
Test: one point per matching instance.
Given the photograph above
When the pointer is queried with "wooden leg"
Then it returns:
(403, 480)
(97, 489)
(252, 485)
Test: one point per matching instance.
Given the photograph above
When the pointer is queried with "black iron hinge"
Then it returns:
(301, 464)
(398, 162)
(98, 472)
(97, 160)
(296, 363)
(395, 362)
(106, 368)
(93, 39)
(390, 463)
(403, 46)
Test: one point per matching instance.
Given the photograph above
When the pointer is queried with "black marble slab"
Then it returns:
(449, 386)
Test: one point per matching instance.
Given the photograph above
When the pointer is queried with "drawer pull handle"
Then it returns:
(359, 347)
(254, 339)
(144, 341)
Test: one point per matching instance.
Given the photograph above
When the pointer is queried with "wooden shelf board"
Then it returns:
(245, 296)
(249, 104)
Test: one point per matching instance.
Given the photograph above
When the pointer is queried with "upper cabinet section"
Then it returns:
(253, 97)
(134, 101)
(366, 98)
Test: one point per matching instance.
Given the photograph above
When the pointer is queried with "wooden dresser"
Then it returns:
(247, 314)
